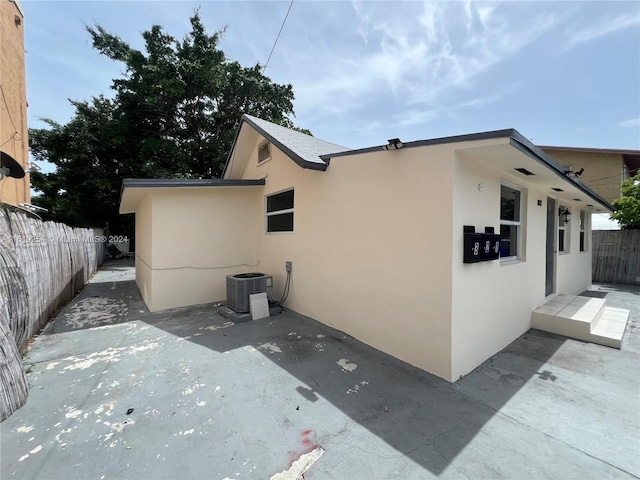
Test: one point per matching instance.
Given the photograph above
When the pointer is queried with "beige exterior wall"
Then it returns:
(13, 101)
(493, 300)
(371, 251)
(144, 250)
(602, 171)
(197, 237)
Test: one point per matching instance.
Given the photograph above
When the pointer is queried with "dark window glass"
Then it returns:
(582, 241)
(280, 201)
(280, 223)
(508, 240)
(509, 204)
(561, 240)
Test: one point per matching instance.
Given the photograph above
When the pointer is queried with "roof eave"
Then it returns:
(519, 142)
(423, 143)
(185, 183)
(590, 150)
(516, 139)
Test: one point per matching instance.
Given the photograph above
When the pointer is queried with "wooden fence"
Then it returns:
(42, 266)
(616, 256)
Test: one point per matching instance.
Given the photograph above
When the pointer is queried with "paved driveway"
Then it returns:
(118, 392)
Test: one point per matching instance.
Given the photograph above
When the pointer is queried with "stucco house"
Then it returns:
(380, 239)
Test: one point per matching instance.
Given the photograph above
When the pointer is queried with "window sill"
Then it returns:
(510, 261)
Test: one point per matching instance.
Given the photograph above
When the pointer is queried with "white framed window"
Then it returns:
(264, 152)
(583, 231)
(564, 230)
(510, 222)
(279, 212)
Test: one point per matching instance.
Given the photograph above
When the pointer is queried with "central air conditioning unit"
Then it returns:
(240, 286)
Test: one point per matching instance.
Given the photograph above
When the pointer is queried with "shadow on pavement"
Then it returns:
(419, 415)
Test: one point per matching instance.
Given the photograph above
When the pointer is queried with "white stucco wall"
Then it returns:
(493, 300)
(371, 250)
(574, 268)
(201, 235)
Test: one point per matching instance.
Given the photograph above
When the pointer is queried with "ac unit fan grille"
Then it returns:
(240, 286)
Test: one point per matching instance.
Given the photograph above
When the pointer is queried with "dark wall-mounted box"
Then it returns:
(472, 247)
(490, 246)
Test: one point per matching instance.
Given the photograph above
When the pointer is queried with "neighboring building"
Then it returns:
(604, 169)
(376, 237)
(13, 100)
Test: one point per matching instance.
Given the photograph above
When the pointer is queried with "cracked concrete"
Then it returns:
(184, 393)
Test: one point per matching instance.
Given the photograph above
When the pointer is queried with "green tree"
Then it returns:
(627, 208)
(173, 114)
(84, 189)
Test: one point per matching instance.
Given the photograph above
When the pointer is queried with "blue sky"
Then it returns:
(562, 73)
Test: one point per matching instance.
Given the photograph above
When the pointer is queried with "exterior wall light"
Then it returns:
(394, 144)
(566, 214)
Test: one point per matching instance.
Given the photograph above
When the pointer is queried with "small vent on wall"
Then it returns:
(524, 171)
(557, 189)
(589, 205)
(264, 152)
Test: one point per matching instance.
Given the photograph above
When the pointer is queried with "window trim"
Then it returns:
(262, 144)
(566, 229)
(517, 223)
(583, 240)
(278, 212)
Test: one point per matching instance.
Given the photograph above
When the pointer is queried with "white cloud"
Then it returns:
(632, 122)
(418, 54)
(480, 101)
(414, 117)
(606, 26)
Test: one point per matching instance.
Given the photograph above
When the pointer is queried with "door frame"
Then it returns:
(550, 248)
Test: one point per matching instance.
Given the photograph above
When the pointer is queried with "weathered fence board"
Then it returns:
(616, 256)
(42, 266)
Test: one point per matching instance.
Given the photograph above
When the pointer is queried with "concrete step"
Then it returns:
(583, 318)
(610, 328)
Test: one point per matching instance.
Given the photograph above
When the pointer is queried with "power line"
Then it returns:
(612, 176)
(278, 37)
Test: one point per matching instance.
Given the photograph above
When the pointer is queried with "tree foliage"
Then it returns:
(627, 208)
(173, 114)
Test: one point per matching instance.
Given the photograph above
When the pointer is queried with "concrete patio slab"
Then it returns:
(119, 392)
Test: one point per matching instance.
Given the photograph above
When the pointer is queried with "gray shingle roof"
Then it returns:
(304, 149)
